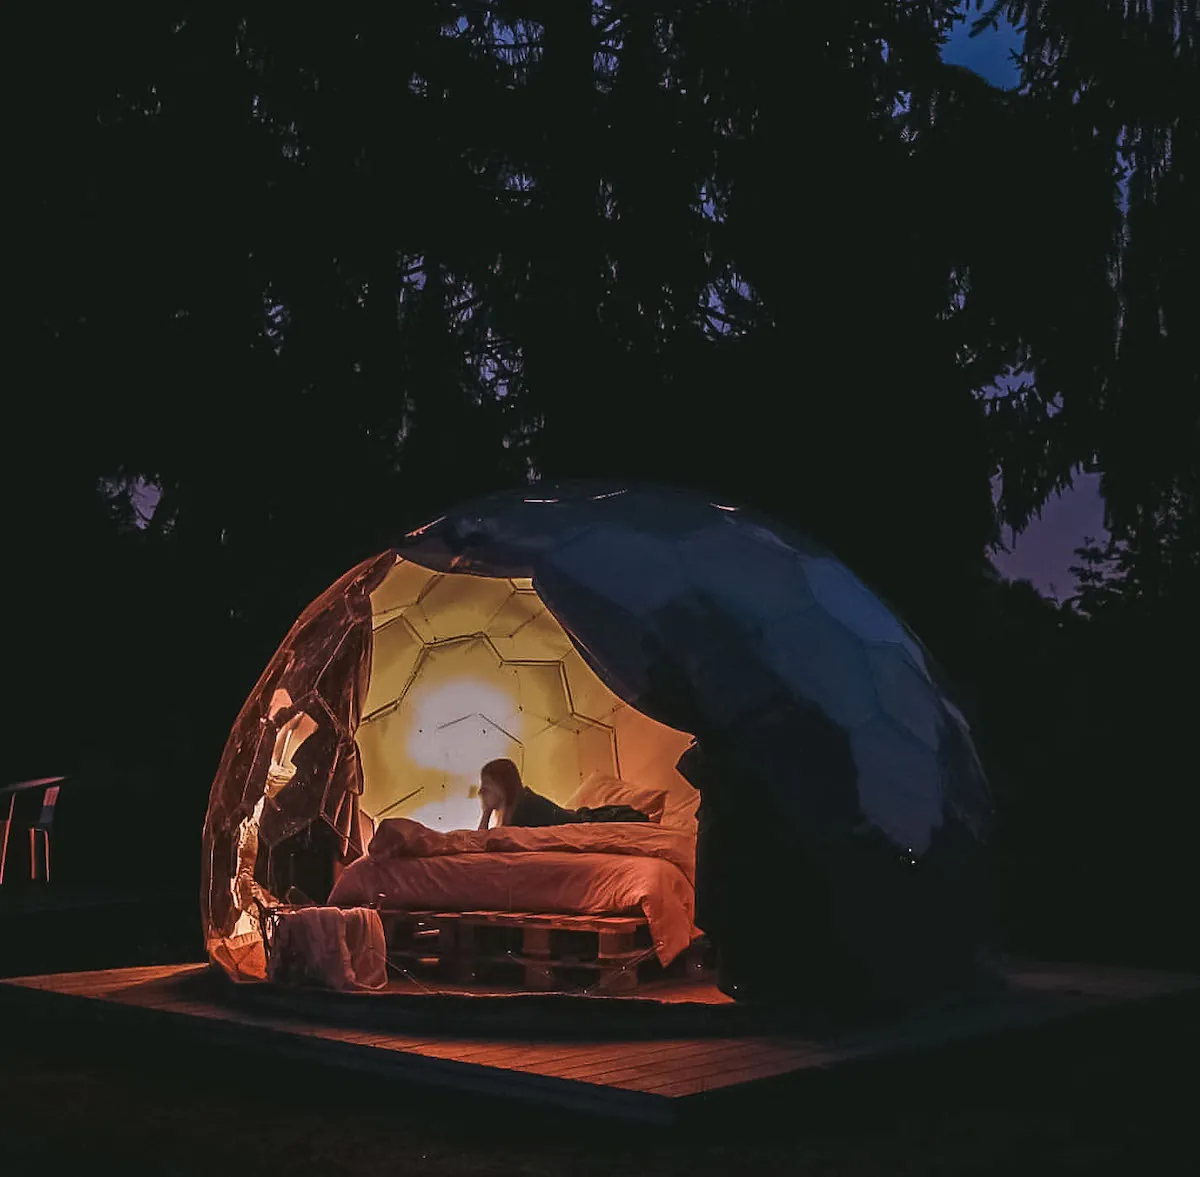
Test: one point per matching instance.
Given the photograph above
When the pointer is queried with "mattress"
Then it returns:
(609, 869)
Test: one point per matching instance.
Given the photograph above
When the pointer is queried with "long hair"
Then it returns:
(507, 776)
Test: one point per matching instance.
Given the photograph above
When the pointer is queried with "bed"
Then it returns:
(602, 869)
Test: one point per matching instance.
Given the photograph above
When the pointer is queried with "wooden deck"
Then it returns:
(633, 1075)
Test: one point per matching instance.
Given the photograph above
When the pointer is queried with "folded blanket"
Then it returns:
(332, 948)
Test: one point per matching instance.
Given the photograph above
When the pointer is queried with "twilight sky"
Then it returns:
(1044, 552)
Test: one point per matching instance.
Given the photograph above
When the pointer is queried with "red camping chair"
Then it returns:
(39, 828)
(39, 836)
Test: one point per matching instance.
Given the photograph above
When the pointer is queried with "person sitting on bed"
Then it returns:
(501, 791)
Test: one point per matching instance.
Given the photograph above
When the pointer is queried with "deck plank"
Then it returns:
(610, 1058)
(708, 1057)
(537, 1057)
(702, 1076)
(492, 1052)
(563, 1061)
(708, 1054)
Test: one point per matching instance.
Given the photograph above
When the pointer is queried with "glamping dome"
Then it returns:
(689, 649)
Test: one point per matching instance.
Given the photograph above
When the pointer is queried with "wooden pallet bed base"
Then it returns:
(552, 946)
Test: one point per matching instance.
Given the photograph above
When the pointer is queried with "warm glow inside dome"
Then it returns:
(468, 668)
(389, 694)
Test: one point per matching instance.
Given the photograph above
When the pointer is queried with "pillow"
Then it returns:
(598, 789)
(681, 810)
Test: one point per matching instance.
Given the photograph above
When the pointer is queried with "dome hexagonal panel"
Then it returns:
(843, 595)
(402, 588)
(397, 650)
(456, 605)
(521, 607)
(903, 693)
(630, 569)
(757, 581)
(567, 753)
(731, 686)
(542, 696)
(590, 698)
(825, 663)
(525, 629)
(898, 783)
(376, 740)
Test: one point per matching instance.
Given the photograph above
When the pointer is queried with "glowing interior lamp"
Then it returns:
(460, 726)
(722, 507)
(453, 728)
(541, 500)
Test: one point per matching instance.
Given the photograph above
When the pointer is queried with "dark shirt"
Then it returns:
(535, 810)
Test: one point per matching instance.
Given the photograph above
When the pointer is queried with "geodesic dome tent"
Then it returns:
(645, 633)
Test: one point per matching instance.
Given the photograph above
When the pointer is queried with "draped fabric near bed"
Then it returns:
(607, 869)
